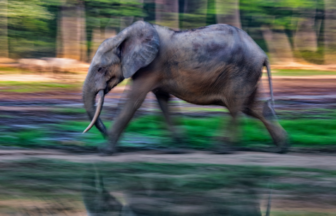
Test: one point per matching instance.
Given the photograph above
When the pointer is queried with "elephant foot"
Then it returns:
(223, 145)
(282, 143)
(283, 148)
(107, 151)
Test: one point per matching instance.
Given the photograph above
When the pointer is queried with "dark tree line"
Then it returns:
(288, 30)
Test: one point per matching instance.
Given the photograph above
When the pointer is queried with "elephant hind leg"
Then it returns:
(163, 100)
(277, 133)
(226, 143)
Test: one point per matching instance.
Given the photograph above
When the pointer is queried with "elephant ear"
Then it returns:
(139, 48)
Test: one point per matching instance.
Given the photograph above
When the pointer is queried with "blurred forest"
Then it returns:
(288, 30)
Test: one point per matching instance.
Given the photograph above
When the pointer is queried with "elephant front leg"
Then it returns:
(135, 99)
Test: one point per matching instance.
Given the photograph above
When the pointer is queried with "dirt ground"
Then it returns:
(316, 161)
(303, 92)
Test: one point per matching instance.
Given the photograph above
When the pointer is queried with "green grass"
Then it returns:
(302, 132)
(25, 138)
(199, 132)
(300, 72)
(70, 111)
(31, 87)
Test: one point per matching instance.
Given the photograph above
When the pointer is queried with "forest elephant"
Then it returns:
(213, 65)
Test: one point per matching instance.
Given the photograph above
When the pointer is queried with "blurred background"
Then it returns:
(46, 47)
(288, 30)
(45, 50)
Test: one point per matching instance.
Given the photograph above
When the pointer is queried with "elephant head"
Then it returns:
(116, 59)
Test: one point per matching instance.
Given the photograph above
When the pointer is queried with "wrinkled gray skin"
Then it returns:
(214, 65)
(99, 202)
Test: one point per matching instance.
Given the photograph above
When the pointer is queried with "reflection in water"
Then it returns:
(159, 195)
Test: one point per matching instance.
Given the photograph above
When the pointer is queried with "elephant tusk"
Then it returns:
(98, 109)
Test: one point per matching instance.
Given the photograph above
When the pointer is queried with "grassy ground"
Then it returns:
(315, 130)
(56, 181)
(294, 72)
(311, 128)
(35, 87)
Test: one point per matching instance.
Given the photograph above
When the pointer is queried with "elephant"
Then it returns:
(213, 65)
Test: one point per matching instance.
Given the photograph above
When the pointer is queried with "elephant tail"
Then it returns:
(269, 105)
(268, 68)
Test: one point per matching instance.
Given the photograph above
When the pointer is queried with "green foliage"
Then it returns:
(276, 13)
(101, 11)
(33, 24)
(25, 138)
(29, 27)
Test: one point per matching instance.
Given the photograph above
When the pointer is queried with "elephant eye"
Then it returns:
(99, 69)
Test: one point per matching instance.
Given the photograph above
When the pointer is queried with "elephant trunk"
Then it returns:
(89, 96)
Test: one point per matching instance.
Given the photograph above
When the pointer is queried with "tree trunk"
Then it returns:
(305, 38)
(166, 13)
(109, 33)
(97, 39)
(59, 45)
(71, 31)
(228, 12)
(194, 15)
(278, 45)
(82, 33)
(3, 29)
(330, 32)
(110, 28)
